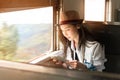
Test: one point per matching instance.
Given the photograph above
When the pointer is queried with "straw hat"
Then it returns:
(70, 17)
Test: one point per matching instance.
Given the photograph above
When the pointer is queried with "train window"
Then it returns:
(98, 7)
(27, 29)
(25, 34)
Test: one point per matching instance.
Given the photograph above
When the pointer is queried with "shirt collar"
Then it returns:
(72, 46)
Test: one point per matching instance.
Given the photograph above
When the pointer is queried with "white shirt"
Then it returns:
(93, 54)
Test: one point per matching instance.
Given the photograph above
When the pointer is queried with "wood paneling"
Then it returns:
(23, 3)
(12, 5)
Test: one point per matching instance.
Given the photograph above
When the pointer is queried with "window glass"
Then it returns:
(25, 34)
(94, 10)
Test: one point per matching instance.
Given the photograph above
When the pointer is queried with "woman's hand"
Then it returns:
(69, 64)
(56, 61)
(76, 65)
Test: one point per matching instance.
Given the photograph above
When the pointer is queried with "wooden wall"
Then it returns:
(74, 5)
(10, 5)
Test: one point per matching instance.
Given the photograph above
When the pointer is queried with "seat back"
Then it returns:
(112, 48)
(109, 36)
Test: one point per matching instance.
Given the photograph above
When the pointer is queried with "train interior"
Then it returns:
(39, 34)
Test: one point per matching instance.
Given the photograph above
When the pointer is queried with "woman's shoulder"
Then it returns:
(92, 43)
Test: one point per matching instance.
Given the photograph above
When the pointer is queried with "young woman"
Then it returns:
(81, 51)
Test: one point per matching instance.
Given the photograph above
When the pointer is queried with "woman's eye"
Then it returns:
(67, 29)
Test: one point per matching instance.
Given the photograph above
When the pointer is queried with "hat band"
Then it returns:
(71, 22)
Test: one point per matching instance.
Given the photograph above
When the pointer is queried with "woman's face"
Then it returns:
(69, 31)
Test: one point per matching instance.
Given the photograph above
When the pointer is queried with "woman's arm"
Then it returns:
(98, 57)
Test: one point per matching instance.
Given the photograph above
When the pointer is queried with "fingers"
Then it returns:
(73, 64)
(56, 61)
(76, 65)
(65, 65)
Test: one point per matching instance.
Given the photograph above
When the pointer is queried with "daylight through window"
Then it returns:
(25, 34)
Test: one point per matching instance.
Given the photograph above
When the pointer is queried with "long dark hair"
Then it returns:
(84, 35)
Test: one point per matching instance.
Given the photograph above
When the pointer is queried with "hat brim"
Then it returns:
(79, 21)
